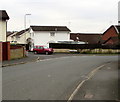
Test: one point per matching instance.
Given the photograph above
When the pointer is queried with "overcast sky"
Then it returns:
(80, 16)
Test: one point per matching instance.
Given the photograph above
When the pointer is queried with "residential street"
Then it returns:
(58, 78)
(49, 51)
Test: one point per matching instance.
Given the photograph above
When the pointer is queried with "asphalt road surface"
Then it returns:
(51, 79)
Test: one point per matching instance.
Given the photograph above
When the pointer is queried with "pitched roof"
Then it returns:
(49, 28)
(91, 38)
(116, 27)
(22, 32)
(9, 33)
(114, 39)
(4, 15)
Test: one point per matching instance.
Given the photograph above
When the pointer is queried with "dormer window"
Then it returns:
(52, 34)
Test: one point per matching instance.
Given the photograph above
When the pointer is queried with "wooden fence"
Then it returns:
(82, 46)
(85, 48)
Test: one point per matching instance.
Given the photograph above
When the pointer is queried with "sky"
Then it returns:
(80, 16)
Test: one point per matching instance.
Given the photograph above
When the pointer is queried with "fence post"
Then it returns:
(24, 51)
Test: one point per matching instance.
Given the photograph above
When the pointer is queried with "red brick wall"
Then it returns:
(8, 52)
(8, 48)
(5, 51)
(111, 32)
(17, 51)
(109, 42)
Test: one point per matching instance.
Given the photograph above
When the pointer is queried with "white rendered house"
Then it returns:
(3, 25)
(43, 35)
(19, 37)
(22, 36)
(11, 37)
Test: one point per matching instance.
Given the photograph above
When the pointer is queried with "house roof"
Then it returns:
(22, 32)
(117, 28)
(4, 15)
(114, 39)
(91, 38)
(49, 28)
(9, 33)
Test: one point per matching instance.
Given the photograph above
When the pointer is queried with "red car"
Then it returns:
(42, 49)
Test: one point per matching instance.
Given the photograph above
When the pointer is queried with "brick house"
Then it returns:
(110, 36)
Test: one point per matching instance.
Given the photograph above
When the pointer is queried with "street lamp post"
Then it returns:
(25, 20)
(25, 25)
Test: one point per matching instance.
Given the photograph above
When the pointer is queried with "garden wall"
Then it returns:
(17, 52)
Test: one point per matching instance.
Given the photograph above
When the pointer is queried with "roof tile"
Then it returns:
(49, 28)
(86, 37)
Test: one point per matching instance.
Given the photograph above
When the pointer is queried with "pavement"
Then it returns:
(59, 78)
(20, 61)
(103, 85)
(34, 57)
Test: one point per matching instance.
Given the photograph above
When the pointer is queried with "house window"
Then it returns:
(52, 33)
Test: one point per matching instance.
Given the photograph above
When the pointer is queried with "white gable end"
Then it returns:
(46, 37)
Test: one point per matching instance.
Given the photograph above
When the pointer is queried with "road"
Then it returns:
(51, 79)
